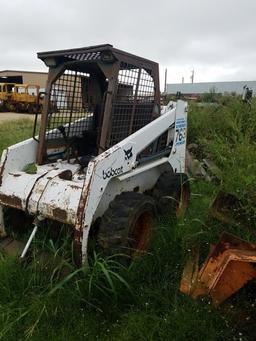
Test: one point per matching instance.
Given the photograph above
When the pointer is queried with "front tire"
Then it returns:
(127, 225)
(172, 192)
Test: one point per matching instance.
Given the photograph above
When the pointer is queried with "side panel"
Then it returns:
(140, 182)
(16, 157)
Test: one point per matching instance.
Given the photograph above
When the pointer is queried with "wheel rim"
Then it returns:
(183, 201)
(142, 233)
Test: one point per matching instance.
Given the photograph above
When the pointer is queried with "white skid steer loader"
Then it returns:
(105, 160)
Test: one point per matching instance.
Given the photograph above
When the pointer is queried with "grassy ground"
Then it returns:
(108, 302)
(14, 131)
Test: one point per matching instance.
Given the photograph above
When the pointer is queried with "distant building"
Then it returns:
(218, 87)
(25, 77)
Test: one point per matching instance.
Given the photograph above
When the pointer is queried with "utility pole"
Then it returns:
(165, 81)
(192, 76)
(182, 80)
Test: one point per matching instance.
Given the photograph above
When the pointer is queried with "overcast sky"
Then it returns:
(216, 38)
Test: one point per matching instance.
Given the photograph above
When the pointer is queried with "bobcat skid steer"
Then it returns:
(105, 160)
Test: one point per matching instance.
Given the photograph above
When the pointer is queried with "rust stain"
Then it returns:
(82, 201)
(60, 214)
(12, 201)
(32, 189)
(81, 208)
(235, 276)
(2, 169)
(15, 175)
(78, 235)
(66, 175)
(190, 274)
(75, 187)
(77, 248)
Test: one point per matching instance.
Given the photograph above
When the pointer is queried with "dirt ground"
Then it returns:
(7, 116)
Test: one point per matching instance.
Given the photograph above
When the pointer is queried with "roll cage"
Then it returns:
(95, 97)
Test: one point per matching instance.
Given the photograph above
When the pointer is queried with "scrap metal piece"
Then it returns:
(190, 274)
(192, 147)
(11, 247)
(2, 227)
(215, 172)
(194, 167)
(236, 274)
(229, 266)
(227, 208)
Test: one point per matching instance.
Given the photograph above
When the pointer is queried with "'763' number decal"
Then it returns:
(180, 136)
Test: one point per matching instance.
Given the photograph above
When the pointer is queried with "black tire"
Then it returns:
(126, 227)
(171, 193)
(40, 109)
(30, 109)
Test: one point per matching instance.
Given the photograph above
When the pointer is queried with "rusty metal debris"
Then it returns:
(212, 170)
(227, 208)
(194, 167)
(200, 166)
(228, 267)
(11, 247)
(205, 169)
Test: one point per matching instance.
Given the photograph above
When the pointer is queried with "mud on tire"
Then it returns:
(171, 193)
(126, 227)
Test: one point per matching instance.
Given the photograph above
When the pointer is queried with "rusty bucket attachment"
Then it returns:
(228, 267)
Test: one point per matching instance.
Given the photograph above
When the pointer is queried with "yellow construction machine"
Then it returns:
(26, 98)
(5, 95)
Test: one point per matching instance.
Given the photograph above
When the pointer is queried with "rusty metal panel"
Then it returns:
(17, 188)
(11, 247)
(236, 274)
(60, 200)
(39, 187)
(229, 266)
(228, 209)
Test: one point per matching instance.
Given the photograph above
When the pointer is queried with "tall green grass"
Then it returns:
(227, 135)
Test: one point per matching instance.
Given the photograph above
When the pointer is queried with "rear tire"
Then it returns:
(127, 225)
(171, 193)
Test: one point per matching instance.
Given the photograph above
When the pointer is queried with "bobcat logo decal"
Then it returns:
(128, 153)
